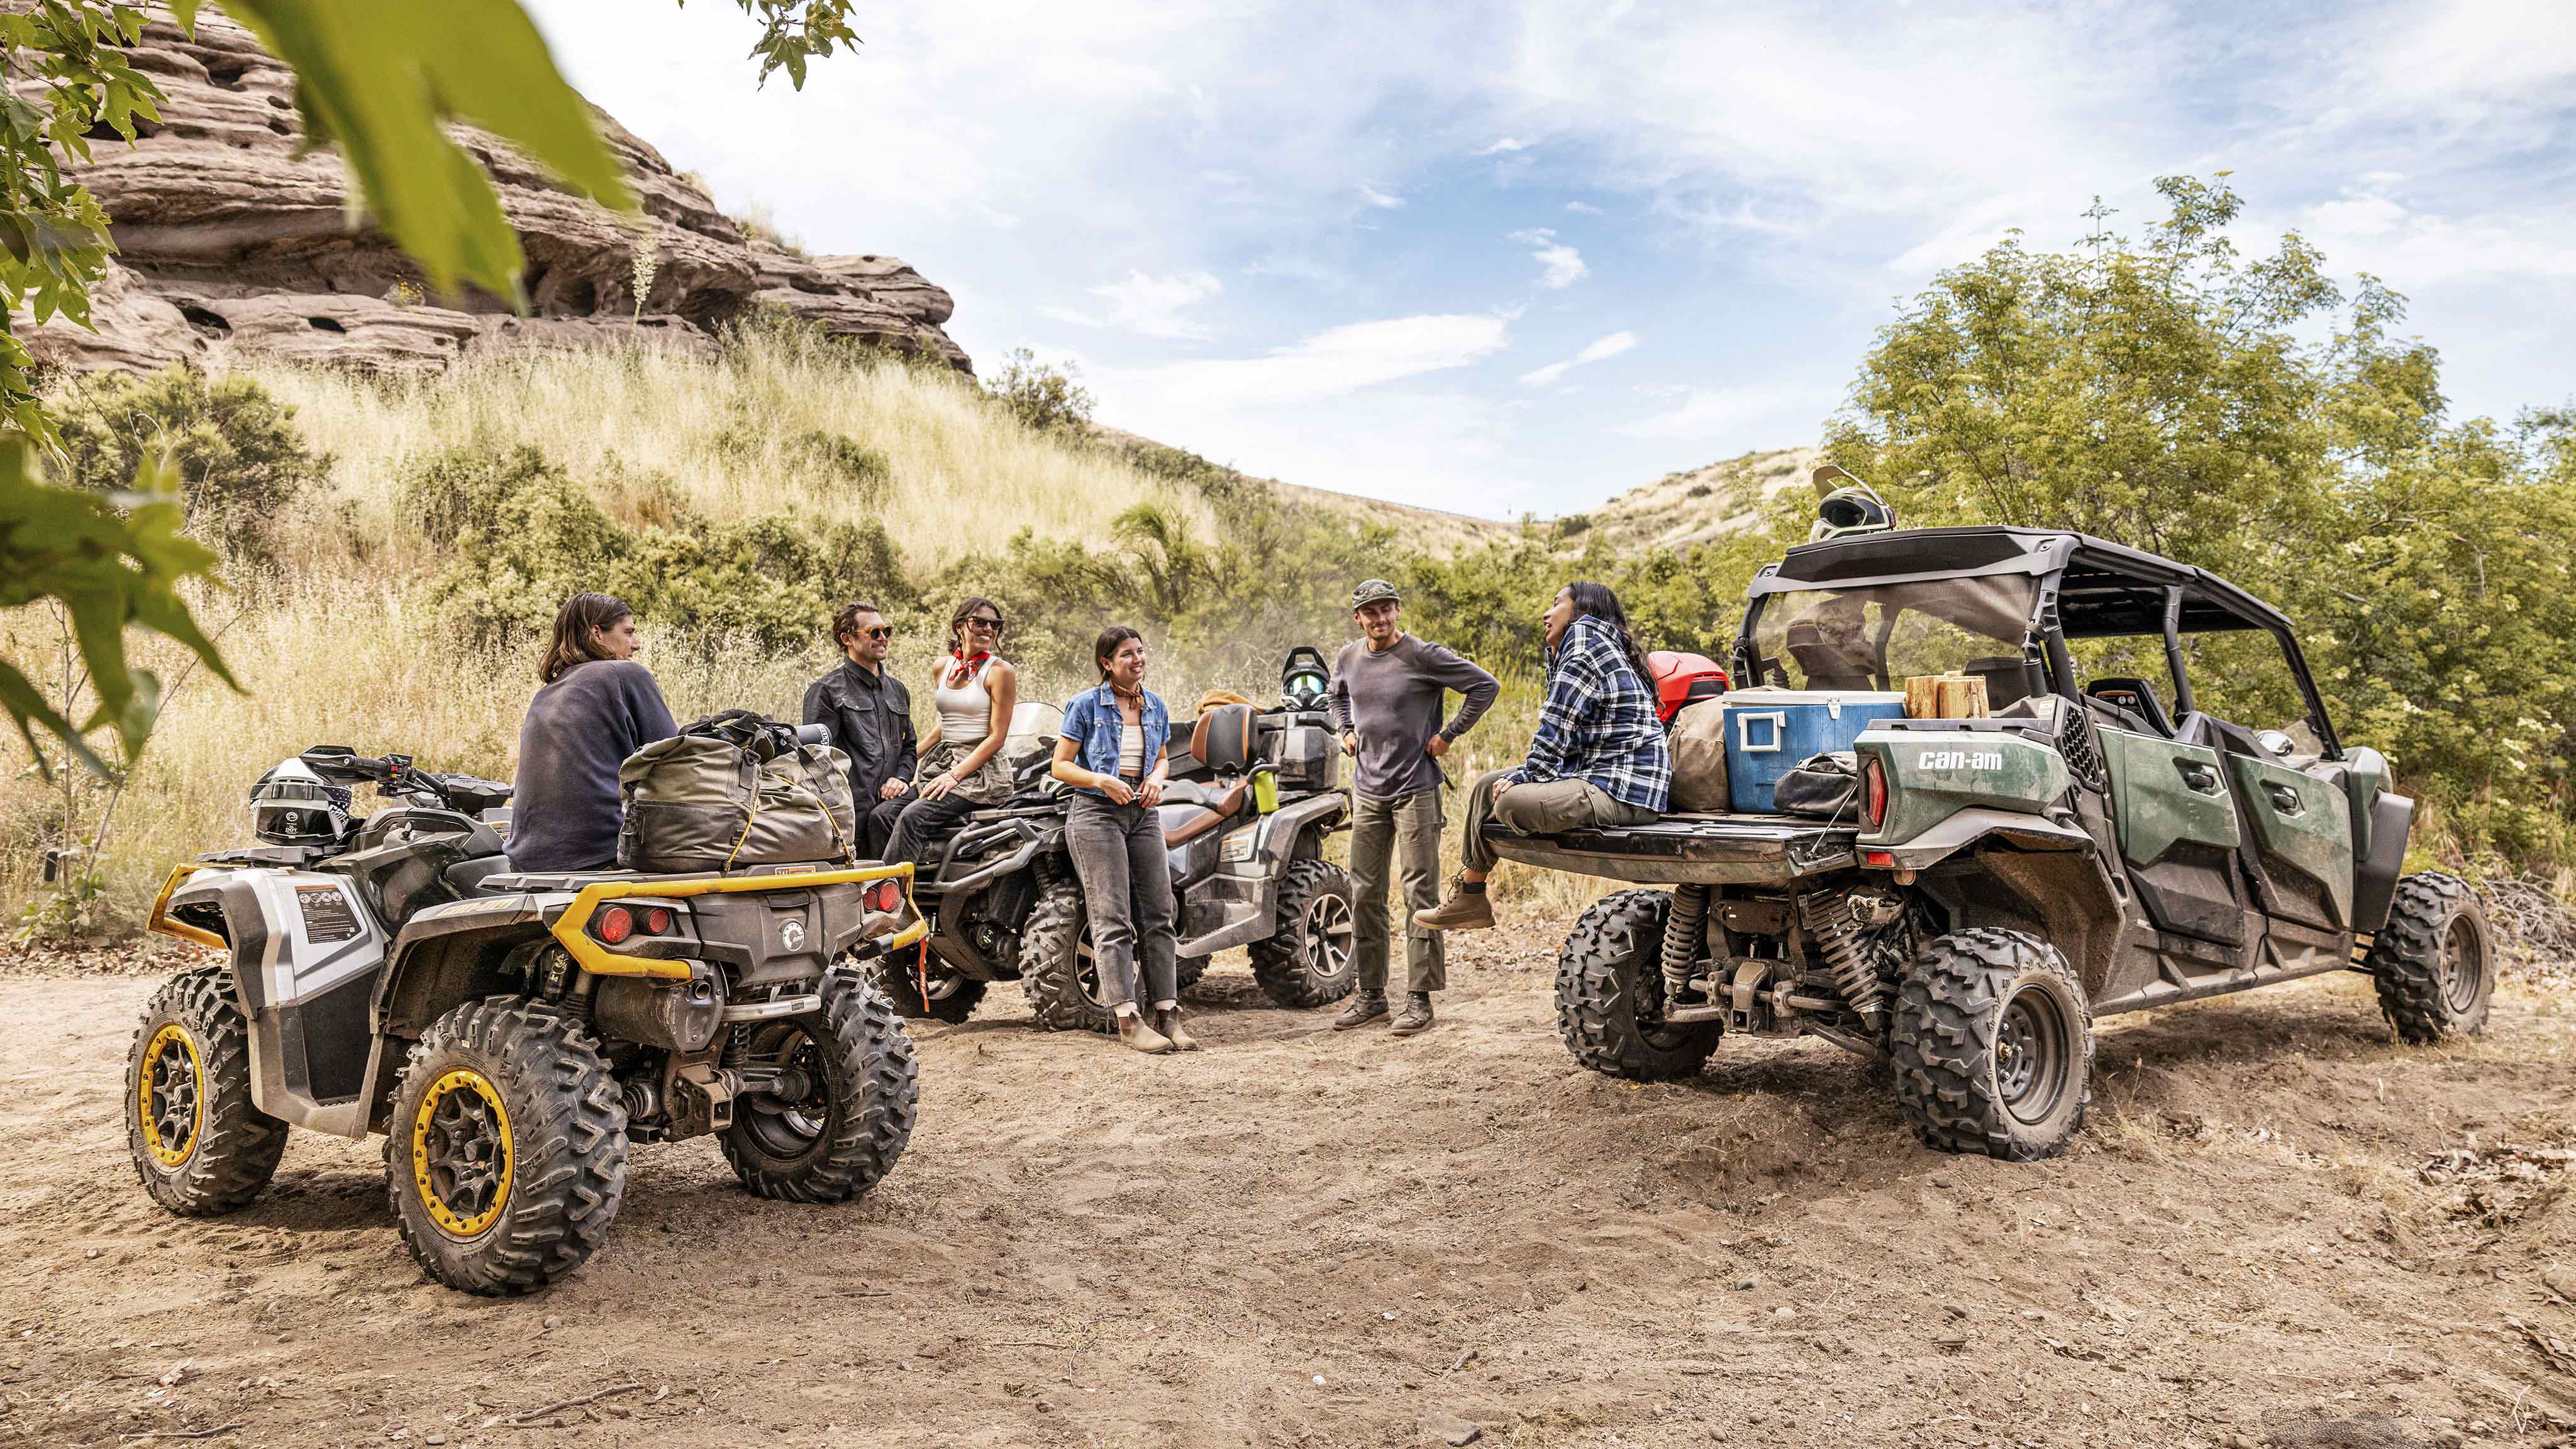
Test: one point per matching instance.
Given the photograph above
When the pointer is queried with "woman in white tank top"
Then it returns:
(961, 769)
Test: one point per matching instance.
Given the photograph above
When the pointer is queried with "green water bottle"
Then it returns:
(1265, 791)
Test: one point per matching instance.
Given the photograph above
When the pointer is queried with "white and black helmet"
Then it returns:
(293, 806)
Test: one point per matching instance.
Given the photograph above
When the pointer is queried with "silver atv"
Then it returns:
(508, 1033)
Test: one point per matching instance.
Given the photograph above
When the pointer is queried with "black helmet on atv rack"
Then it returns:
(1304, 679)
(291, 805)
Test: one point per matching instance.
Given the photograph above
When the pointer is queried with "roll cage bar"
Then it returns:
(2088, 589)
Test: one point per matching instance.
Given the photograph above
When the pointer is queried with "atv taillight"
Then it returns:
(885, 895)
(657, 921)
(1873, 793)
(614, 925)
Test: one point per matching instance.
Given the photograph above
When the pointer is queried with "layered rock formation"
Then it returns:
(230, 245)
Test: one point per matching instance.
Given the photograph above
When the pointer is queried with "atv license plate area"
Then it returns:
(770, 937)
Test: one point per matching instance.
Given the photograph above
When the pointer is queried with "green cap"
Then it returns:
(1371, 591)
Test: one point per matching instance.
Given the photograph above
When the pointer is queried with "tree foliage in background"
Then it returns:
(233, 448)
(1045, 397)
(377, 81)
(2159, 393)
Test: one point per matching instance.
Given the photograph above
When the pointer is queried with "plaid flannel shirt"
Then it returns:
(1598, 723)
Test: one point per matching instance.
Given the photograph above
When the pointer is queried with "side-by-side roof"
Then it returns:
(2107, 588)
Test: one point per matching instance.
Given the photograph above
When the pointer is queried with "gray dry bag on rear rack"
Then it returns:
(734, 790)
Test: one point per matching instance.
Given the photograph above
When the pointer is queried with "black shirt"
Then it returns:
(870, 715)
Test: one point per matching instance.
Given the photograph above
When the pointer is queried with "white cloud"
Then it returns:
(1377, 198)
(1726, 415)
(1560, 266)
(2370, 230)
(1582, 208)
(1502, 147)
(1148, 306)
(1610, 346)
(1341, 360)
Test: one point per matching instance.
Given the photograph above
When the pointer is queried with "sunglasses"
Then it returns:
(987, 621)
(880, 632)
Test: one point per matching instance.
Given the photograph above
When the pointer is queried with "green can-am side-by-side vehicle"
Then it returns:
(508, 1033)
(1997, 882)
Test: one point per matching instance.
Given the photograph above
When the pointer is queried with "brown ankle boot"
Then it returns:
(1135, 1035)
(1167, 1020)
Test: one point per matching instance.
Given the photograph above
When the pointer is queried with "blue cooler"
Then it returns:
(1770, 732)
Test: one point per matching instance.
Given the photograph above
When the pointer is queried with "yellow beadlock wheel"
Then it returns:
(170, 1094)
(460, 1153)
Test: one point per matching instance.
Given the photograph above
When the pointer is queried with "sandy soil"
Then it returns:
(2279, 1228)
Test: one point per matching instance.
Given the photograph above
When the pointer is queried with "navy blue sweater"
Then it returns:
(563, 806)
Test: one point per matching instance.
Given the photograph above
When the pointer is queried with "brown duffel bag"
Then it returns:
(734, 790)
(1698, 740)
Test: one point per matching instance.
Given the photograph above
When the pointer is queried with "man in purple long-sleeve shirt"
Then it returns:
(1385, 700)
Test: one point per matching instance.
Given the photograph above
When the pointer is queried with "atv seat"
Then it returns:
(2136, 697)
(1221, 740)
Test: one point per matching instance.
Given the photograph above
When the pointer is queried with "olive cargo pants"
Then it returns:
(1540, 809)
(1409, 827)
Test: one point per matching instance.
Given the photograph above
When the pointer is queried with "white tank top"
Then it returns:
(966, 712)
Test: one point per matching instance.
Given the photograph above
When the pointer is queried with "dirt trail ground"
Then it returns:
(2279, 1228)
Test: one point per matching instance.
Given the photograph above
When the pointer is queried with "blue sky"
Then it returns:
(1517, 257)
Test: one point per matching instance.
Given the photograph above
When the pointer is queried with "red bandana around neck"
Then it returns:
(966, 667)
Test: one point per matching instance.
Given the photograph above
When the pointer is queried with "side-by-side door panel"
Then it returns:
(2178, 833)
(2303, 834)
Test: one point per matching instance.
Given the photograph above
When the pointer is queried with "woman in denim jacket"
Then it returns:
(1110, 749)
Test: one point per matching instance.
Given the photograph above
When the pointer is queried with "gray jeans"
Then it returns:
(1381, 832)
(1541, 809)
(1127, 893)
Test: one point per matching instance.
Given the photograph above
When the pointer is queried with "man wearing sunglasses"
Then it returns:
(869, 713)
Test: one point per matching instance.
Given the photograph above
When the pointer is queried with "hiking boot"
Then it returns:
(1167, 1020)
(1135, 1035)
(1365, 1007)
(1465, 910)
(1417, 1014)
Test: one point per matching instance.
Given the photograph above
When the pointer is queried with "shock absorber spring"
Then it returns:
(1829, 924)
(1684, 931)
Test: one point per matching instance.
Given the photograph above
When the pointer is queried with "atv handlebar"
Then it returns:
(395, 777)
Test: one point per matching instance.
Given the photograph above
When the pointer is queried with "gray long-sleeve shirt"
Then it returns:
(1392, 700)
(564, 807)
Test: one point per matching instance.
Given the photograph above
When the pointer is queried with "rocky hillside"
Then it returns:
(1681, 509)
(232, 248)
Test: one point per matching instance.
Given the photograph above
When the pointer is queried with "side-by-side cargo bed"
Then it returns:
(1707, 849)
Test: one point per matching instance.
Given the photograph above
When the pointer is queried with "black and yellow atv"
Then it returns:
(509, 1034)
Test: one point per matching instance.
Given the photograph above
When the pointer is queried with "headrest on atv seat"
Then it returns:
(1222, 739)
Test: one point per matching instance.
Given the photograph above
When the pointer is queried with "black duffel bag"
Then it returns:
(1826, 786)
(731, 790)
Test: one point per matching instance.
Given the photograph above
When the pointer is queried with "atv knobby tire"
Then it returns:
(2434, 961)
(845, 1135)
(199, 1145)
(1307, 959)
(1057, 969)
(952, 997)
(507, 1150)
(1992, 1046)
(1188, 970)
(1610, 994)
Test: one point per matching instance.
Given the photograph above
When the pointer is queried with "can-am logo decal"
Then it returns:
(1960, 760)
(792, 935)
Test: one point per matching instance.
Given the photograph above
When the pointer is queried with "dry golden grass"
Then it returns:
(721, 430)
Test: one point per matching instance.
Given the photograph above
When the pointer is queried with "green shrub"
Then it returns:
(239, 456)
(526, 536)
(1042, 396)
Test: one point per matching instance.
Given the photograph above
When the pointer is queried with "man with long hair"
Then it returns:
(597, 706)
(869, 713)
(1597, 761)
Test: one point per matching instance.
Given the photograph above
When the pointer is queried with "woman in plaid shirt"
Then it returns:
(1598, 759)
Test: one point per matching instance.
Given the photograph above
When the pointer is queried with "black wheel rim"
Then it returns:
(943, 985)
(2033, 1056)
(461, 1153)
(1086, 972)
(169, 1096)
(1330, 934)
(1648, 993)
(787, 1128)
(2464, 966)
